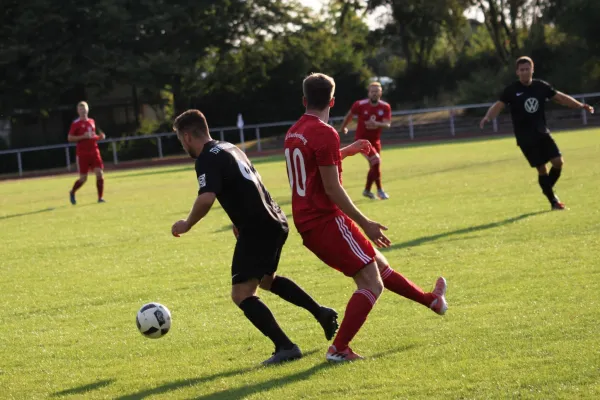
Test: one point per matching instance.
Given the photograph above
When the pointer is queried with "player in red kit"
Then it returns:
(329, 222)
(83, 132)
(373, 115)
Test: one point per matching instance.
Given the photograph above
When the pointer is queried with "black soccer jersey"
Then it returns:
(527, 108)
(224, 170)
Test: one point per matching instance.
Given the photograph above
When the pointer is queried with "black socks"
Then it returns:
(546, 185)
(262, 318)
(291, 292)
(554, 175)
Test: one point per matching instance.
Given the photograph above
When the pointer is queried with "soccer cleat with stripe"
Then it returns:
(345, 355)
(439, 305)
(558, 206)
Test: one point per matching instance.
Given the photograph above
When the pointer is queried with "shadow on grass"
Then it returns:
(247, 391)
(46, 210)
(476, 228)
(29, 213)
(183, 383)
(84, 389)
(167, 387)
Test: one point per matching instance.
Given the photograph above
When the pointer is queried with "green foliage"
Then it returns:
(265, 78)
(250, 56)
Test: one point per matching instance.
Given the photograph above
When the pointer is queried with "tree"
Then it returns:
(506, 19)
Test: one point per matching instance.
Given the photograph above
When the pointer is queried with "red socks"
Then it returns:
(357, 310)
(374, 175)
(76, 185)
(100, 187)
(370, 180)
(398, 284)
(377, 175)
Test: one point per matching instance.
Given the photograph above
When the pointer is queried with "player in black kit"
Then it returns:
(225, 173)
(527, 98)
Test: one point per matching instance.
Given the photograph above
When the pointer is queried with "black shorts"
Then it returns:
(257, 254)
(540, 151)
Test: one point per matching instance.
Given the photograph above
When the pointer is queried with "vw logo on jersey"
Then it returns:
(380, 112)
(531, 105)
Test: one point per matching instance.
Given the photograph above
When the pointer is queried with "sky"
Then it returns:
(373, 18)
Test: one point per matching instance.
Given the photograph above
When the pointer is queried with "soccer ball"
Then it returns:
(153, 320)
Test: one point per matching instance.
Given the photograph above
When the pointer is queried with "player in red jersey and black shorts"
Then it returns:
(83, 132)
(373, 115)
(329, 222)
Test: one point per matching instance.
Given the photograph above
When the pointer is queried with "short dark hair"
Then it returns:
(318, 90)
(192, 122)
(524, 60)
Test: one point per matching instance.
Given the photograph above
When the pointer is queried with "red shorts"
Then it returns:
(376, 146)
(375, 142)
(340, 244)
(89, 162)
(374, 156)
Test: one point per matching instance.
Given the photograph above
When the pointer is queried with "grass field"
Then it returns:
(524, 286)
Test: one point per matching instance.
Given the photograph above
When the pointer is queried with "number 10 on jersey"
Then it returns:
(296, 171)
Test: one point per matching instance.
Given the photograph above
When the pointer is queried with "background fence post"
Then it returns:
(114, 149)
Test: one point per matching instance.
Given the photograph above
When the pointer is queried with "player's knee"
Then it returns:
(241, 291)
(377, 287)
(239, 297)
(82, 178)
(370, 278)
(558, 162)
(267, 281)
(382, 262)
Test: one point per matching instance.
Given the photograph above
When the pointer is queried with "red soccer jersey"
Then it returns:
(365, 111)
(311, 143)
(78, 128)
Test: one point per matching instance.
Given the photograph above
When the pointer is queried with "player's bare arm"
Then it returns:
(337, 194)
(360, 146)
(568, 101)
(492, 113)
(199, 210)
(347, 119)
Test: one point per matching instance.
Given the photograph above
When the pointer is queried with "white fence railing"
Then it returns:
(409, 124)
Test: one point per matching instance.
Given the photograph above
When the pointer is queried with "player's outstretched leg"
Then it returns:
(360, 305)
(291, 292)
(244, 295)
(397, 283)
(78, 183)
